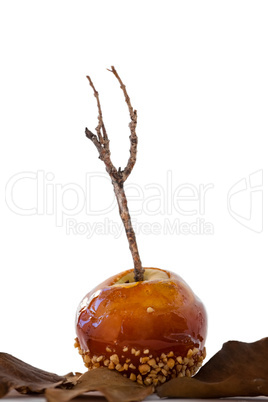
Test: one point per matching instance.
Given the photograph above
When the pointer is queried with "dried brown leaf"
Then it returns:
(111, 384)
(238, 369)
(15, 374)
(71, 379)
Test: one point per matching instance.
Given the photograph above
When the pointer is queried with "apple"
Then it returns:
(150, 331)
(146, 323)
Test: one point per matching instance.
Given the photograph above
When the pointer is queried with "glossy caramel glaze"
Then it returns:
(161, 316)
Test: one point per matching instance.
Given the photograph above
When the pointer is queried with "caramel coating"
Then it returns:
(122, 323)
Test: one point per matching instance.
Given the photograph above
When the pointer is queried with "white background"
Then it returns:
(197, 73)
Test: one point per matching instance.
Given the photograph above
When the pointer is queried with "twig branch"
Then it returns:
(132, 125)
(118, 176)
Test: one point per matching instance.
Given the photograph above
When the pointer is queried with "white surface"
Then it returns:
(96, 397)
(197, 73)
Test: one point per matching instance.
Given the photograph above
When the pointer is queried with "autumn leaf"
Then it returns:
(15, 374)
(26, 379)
(111, 384)
(238, 369)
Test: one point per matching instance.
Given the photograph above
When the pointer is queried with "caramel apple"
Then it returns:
(149, 331)
(145, 323)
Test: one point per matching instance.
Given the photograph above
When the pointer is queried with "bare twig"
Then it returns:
(118, 176)
(132, 125)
